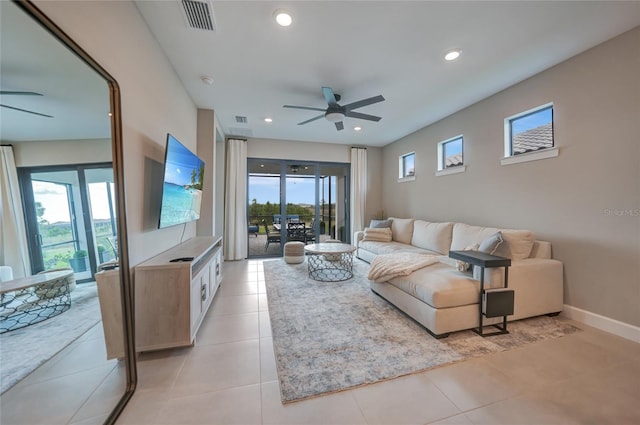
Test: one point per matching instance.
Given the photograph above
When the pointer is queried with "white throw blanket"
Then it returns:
(388, 266)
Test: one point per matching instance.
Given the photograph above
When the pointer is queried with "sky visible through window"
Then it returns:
(533, 120)
(409, 162)
(300, 190)
(53, 197)
(454, 147)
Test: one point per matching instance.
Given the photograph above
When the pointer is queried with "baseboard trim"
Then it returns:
(603, 323)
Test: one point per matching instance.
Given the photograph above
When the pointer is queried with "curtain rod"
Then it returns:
(359, 147)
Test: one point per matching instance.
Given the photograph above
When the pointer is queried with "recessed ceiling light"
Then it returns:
(268, 120)
(452, 54)
(357, 128)
(261, 165)
(283, 17)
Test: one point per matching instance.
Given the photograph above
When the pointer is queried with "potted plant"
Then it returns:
(104, 254)
(79, 261)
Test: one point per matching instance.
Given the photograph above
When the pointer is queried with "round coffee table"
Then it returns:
(330, 262)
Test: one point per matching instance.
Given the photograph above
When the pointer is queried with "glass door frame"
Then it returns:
(28, 205)
(284, 166)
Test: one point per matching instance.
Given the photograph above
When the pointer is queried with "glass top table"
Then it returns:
(330, 262)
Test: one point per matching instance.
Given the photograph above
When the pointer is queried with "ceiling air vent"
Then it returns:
(241, 120)
(199, 14)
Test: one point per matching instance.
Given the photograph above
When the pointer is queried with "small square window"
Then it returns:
(450, 153)
(407, 167)
(529, 131)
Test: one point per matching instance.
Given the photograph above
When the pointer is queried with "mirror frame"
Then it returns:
(118, 173)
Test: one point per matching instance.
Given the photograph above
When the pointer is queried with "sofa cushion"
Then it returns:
(378, 248)
(380, 235)
(377, 224)
(402, 229)
(440, 286)
(464, 235)
(432, 236)
(517, 243)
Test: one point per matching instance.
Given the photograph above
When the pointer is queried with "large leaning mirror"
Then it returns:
(65, 309)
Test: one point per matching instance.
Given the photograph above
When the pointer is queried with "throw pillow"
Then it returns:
(463, 266)
(379, 224)
(490, 244)
(377, 235)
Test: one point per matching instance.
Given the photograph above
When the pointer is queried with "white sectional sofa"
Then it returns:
(444, 299)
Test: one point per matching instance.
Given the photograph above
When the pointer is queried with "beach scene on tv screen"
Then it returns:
(182, 189)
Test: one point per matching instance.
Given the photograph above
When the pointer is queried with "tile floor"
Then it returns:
(229, 377)
(77, 386)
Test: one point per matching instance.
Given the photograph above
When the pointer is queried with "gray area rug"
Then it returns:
(329, 337)
(24, 350)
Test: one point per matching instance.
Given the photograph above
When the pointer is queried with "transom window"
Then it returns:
(407, 168)
(450, 153)
(529, 131)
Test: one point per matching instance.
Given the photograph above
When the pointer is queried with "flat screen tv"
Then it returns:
(182, 185)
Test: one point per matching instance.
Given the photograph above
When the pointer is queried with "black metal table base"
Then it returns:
(330, 267)
(27, 307)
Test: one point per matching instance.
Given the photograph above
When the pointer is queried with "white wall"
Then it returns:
(154, 103)
(570, 200)
(205, 226)
(58, 152)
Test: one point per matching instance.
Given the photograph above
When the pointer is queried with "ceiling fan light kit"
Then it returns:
(334, 116)
(336, 113)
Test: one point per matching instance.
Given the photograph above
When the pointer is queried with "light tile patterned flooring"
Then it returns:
(229, 377)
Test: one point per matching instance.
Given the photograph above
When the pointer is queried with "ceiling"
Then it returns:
(365, 48)
(359, 48)
(73, 94)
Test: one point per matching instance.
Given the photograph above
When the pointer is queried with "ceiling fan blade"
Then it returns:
(27, 111)
(339, 126)
(312, 119)
(364, 102)
(304, 107)
(19, 93)
(353, 114)
(329, 96)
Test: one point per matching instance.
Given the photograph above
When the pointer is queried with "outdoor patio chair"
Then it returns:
(271, 237)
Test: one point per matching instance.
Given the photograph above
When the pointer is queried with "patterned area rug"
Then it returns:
(22, 351)
(329, 337)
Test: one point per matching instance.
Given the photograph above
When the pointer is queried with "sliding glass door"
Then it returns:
(295, 201)
(70, 219)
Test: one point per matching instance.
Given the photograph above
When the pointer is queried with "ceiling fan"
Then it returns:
(22, 93)
(335, 113)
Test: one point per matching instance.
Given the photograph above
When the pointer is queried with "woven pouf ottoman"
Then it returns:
(293, 252)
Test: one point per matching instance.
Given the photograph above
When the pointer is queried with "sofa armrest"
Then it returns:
(538, 285)
(541, 249)
(357, 237)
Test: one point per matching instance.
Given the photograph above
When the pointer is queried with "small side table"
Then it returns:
(505, 298)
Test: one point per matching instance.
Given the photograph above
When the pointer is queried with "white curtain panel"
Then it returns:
(235, 201)
(358, 188)
(13, 234)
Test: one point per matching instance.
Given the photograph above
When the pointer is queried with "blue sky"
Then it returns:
(299, 190)
(532, 121)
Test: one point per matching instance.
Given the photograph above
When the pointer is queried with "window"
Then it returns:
(407, 169)
(450, 156)
(529, 132)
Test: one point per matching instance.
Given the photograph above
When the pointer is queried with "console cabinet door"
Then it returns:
(196, 300)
